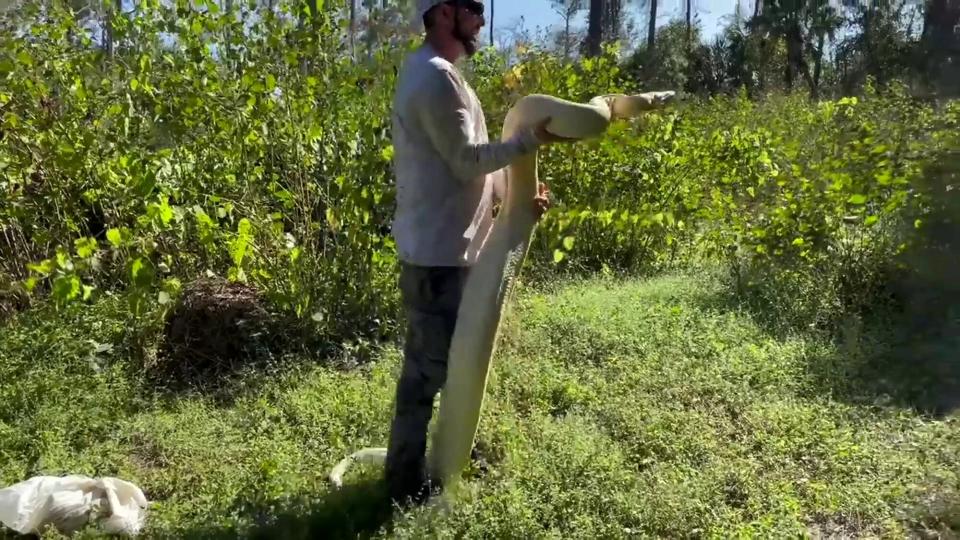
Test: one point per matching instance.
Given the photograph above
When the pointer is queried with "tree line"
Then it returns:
(765, 45)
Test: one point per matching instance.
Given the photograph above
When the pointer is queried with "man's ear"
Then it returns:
(445, 11)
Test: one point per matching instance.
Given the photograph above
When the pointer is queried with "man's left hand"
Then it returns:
(541, 203)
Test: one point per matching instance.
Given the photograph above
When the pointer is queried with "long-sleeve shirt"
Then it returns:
(447, 171)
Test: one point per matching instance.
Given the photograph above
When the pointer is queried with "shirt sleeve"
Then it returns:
(446, 118)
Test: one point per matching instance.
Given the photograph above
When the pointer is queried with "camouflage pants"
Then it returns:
(431, 297)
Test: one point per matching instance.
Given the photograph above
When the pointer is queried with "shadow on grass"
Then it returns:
(360, 509)
(905, 356)
(893, 329)
(889, 366)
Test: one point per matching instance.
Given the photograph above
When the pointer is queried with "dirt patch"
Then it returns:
(6, 308)
(840, 527)
(217, 329)
(11, 302)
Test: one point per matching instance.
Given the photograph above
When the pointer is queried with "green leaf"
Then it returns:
(238, 247)
(166, 213)
(44, 268)
(568, 243)
(871, 220)
(387, 153)
(141, 270)
(63, 261)
(86, 247)
(24, 58)
(66, 288)
(857, 199)
(78, 89)
(172, 286)
(114, 237)
(558, 256)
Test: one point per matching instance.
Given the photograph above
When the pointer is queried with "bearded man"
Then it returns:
(448, 178)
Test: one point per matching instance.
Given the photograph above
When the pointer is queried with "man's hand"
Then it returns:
(545, 137)
(541, 203)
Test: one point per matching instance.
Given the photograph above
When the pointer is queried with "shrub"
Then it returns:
(206, 146)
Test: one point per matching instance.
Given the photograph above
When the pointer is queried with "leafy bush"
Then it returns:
(207, 145)
(828, 191)
(267, 164)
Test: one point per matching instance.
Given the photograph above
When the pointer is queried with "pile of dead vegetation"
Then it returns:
(218, 329)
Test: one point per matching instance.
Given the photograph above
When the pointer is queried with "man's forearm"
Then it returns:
(473, 160)
(469, 160)
(445, 114)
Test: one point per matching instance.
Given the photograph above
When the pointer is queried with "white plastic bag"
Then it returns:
(70, 502)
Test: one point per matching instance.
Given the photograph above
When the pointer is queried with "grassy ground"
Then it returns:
(634, 409)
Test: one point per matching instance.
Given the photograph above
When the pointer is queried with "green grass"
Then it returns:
(616, 409)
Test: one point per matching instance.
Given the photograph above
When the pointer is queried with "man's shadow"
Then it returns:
(359, 509)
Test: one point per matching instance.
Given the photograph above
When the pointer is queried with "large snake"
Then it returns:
(492, 277)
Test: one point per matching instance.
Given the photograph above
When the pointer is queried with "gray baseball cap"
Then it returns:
(424, 6)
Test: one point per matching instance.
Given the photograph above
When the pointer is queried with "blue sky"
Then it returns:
(539, 13)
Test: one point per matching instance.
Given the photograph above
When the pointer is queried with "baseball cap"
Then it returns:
(424, 6)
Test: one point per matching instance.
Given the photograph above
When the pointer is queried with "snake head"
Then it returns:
(657, 100)
(623, 106)
(663, 98)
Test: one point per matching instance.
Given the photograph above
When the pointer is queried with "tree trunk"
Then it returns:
(353, 27)
(652, 29)
(227, 46)
(795, 59)
(868, 39)
(492, 6)
(372, 29)
(818, 67)
(689, 20)
(941, 43)
(595, 27)
(108, 15)
(611, 19)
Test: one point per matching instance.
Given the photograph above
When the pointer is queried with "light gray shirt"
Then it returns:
(447, 171)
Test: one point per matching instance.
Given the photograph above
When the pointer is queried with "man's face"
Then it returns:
(467, 21)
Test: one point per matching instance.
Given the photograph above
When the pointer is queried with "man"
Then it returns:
(447, 176)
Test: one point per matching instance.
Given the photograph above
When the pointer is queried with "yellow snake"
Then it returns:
(491, 279)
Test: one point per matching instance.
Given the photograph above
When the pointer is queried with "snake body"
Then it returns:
(491, 279)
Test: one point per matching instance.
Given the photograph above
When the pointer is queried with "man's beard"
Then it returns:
(470, 43)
